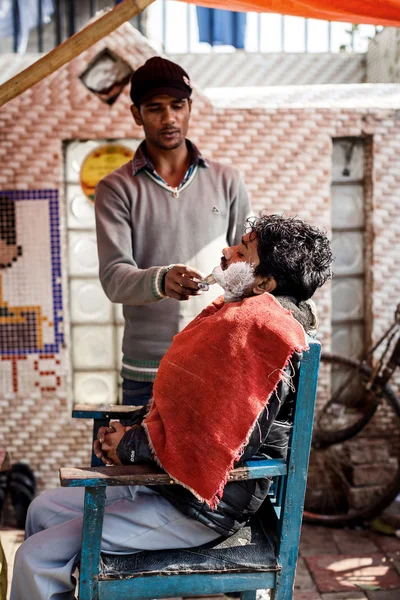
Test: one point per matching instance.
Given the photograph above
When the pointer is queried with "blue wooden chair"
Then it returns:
(262, 555)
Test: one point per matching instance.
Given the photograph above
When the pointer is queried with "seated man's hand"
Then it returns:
(179, 284)
(108, 438)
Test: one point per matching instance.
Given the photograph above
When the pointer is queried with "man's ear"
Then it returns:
(136, 115)
(266, 285)
(190, 105)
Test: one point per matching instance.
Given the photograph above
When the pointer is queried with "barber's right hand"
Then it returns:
(179, 284)
(101, 434)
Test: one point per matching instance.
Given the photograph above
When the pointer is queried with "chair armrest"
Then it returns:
(152, 475)
(104, 411)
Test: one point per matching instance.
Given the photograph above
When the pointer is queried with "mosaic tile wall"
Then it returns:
(285, 155)
(31, 312)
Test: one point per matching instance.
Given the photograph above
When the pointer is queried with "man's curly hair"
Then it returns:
(296, 254)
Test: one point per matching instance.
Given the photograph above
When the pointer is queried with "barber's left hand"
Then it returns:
(110, 443)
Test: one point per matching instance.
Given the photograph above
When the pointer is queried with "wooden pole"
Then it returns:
(71, 48)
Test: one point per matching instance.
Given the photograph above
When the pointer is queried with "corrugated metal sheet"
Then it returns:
(245, 69)
(383, 57)
(308, 96)
(12, 64)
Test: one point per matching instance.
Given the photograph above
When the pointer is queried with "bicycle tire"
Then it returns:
(342, 513)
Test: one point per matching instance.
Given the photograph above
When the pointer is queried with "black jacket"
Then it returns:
(241, 499)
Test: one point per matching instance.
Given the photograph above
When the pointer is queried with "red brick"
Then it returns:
(333, 573)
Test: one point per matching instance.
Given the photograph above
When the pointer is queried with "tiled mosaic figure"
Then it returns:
(20, 326)
(26, 323)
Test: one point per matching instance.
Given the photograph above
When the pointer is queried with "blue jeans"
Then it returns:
(136, 393)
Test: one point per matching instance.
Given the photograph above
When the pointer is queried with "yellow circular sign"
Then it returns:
(99, 163)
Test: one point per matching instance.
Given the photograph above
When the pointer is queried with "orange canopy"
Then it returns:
(375, 12)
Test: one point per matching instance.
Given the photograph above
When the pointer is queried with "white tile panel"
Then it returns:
(88, 302)
(82, 252)
(347, 206)
(80, 211)
(347, 299)
(348, 250)
(118, 314)
(347, 160)
(348, 340)
(93, 347)
(95, 387)
(120, 335)
(76, 152)
(271, 68)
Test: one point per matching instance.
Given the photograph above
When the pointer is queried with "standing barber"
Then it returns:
(167, 207)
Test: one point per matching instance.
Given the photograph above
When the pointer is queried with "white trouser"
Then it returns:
(136, 518)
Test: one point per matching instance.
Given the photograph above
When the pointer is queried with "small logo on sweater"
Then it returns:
(216, 210)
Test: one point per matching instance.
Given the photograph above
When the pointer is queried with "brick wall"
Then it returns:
(284, 153)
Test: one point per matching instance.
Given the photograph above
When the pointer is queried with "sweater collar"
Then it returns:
(141, 160)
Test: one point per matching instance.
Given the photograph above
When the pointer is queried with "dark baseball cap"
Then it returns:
(159, 76)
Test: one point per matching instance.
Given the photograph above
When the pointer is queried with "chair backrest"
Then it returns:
(297, 463)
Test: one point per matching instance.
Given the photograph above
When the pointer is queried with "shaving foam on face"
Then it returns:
(236, 280)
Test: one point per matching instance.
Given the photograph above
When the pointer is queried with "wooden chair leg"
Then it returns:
(3, 574)
(91, 543)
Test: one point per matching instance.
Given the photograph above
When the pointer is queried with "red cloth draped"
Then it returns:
(212, 385)
(375, 12)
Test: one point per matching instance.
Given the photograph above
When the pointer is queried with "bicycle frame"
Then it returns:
(382, 372)
(377, 378)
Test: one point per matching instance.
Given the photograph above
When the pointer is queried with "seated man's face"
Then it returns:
(246, 251)
(236, 272)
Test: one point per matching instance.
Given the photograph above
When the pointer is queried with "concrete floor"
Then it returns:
(334, 564)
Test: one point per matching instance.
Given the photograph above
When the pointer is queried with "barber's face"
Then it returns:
(165, 121)
(246, 251)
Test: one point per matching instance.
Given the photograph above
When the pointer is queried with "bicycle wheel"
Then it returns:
(347, 405)
(354, 468)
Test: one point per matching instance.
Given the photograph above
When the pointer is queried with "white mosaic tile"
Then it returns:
(74, 156)
(120, 335)
(77, 151)
(93, 347)
(347, 206)
(118, 314)
(80, 210)
(347, 339)
(95, 388)
(347, 299)
(82, 253)
(348, 250)
(88, 302)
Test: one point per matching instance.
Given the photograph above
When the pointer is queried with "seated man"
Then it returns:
(223, 394)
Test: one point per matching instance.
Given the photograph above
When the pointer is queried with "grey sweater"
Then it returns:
(141, 229)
